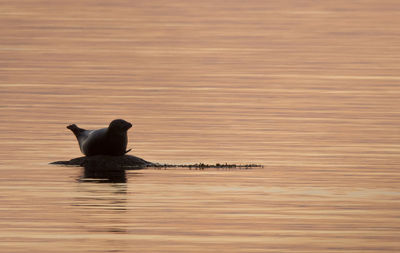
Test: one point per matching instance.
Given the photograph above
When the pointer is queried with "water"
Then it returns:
(310, 90)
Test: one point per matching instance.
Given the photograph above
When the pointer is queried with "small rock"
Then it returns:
(105, 162)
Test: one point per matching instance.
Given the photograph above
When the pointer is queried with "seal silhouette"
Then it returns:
(111, 140)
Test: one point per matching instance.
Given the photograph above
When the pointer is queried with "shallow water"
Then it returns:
(310, 90)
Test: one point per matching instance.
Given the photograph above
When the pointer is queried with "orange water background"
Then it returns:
(308, 89)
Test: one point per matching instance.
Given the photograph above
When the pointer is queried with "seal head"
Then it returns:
(119, 126)
(106, 141)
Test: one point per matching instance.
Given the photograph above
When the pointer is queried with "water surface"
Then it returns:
(308, 89)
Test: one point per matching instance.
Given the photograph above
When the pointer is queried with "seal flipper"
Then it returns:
(75, 129)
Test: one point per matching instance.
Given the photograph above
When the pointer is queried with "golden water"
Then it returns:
(308, 89)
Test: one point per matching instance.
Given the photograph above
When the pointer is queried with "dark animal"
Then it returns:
(106, 141)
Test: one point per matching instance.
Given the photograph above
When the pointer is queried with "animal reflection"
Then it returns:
(116, 175)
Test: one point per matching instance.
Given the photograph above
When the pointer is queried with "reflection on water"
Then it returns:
(103, 207)
(103, 175)
(308, 89)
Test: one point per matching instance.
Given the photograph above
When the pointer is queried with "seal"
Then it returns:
(106, 141)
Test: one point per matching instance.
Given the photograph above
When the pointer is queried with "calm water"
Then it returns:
(308, 89)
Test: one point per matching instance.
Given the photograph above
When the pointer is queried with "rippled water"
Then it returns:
(308, 89)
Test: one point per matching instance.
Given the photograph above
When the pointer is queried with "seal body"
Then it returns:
(106, 141)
